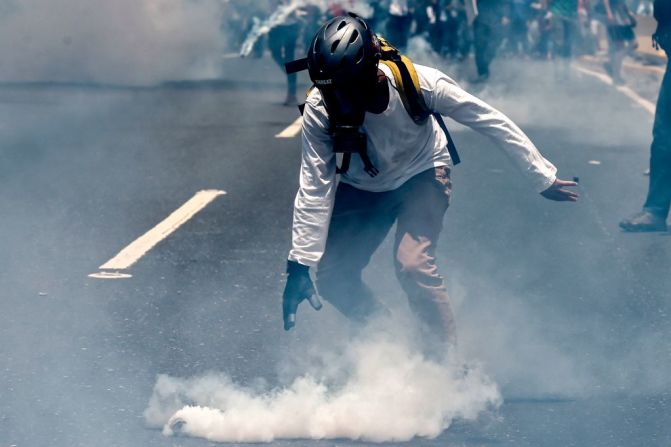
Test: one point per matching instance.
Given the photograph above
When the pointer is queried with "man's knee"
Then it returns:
(349, 295)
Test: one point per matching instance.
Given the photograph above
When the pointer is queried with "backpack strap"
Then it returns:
(405, 76)
(407, 81)
(296, 66)
(451, 148)
(344, 166)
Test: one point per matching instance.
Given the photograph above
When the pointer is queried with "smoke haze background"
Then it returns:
(130, 42)
(126, 42)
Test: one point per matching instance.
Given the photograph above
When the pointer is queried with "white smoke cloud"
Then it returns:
(135, 42)
(123, 42)
(379, 388)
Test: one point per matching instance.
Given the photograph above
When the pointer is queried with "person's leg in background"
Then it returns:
(436, 36)
(359, 223)
(659, 192)
(451, 36)
(497, 33)
(275, 40)
(518, 36)
(282, 41)
(621, 39)
(464, 37)
(289, 51)
(565, 27)
(616, 52)
(394, 30)
(424, 201)
(482, 34)
(656, 207)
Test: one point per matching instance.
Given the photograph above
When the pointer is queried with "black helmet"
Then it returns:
(342, 62)
(344, 51)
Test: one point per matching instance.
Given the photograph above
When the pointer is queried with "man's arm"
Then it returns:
(316, 194)
(312, 212)
(448, 99)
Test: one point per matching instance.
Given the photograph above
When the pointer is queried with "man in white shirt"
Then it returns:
(402, 176)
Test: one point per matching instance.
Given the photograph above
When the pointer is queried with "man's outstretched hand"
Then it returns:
(299, 288)
(557, 192)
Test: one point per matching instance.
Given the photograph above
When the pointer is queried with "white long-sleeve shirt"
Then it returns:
(399, 149)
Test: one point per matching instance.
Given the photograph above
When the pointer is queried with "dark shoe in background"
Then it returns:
(644, 221)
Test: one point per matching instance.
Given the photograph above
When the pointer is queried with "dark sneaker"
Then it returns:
(644, 221)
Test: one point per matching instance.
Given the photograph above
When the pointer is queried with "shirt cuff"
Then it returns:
(302, 260)
(546, 183)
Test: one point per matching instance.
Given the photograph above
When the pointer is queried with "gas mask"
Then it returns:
(346, 108)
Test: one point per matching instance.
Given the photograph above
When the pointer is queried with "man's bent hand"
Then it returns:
(299, 287)
(558, 193)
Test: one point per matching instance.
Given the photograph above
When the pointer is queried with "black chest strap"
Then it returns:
(451, 148)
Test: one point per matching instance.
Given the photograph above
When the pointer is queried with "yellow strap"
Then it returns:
(388, 51)
(385, 45)
(398, 81)
(413, 73)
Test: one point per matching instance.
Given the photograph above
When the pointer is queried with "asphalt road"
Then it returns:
(568, 315)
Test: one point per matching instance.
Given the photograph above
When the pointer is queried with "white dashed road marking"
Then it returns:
(293, 129)
(628, 92)
(140, 246)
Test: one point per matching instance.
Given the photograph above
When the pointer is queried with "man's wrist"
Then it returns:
(295, 268)
(546, 183)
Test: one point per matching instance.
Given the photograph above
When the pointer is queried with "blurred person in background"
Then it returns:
(564, 19)
(540, 30)
(436, 18)
(656, 208)
(620, 24)
(456, 40)
(588, 36)
(457, 30)
(233, 25)
(282, 41)
(311, 17)
(335, 8)
(379, 14)
(492, 17)
(249, 17)
(421, 16)
(399, 21)
(520, 12)
(644, 8)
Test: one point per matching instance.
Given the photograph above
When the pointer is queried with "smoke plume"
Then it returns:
(378, 388)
